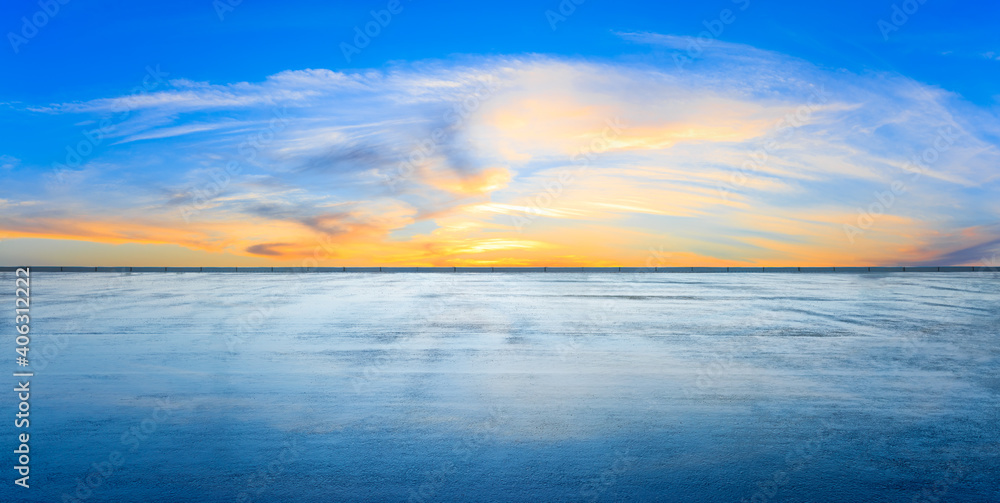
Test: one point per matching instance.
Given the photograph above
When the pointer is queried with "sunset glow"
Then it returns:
(741, 156)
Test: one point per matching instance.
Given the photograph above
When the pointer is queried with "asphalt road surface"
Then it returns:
(510, 387)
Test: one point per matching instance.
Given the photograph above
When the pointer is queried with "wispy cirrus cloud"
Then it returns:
(471, 146)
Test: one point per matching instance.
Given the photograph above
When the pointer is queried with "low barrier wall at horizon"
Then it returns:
(498, 269)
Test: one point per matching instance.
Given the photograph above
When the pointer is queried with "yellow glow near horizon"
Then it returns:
(560, 163)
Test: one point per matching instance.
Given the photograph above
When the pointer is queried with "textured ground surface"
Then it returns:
(517, 387)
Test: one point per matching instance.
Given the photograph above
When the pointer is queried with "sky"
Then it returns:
(559, 133)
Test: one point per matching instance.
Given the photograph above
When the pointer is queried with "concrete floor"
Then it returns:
(180, 387)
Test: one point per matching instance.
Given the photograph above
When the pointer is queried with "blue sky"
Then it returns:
(221, 77)
(98, 47)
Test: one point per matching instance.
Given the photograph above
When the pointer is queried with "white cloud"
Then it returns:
(832, 141)
(8, 162)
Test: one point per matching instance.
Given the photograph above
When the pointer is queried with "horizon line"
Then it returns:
(507, 269)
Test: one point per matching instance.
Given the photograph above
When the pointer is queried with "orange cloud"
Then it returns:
(561, 163)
